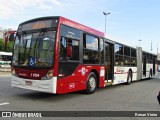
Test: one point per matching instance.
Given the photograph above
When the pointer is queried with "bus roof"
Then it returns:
(79, 26)
(6, 53)
(70, 23)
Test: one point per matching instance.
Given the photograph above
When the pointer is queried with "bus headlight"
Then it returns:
(49, 75)
(14, 72)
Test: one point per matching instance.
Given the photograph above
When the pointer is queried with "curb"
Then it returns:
(2, 74)
(5, 75)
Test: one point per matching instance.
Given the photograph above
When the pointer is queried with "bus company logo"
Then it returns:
(120, 70)
(83, 71)
(71, 85)
(22, 74)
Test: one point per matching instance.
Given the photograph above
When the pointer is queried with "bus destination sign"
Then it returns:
(39, 24)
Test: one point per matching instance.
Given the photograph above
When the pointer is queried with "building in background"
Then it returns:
(2, 32)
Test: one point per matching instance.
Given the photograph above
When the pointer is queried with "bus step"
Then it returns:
(108, 83)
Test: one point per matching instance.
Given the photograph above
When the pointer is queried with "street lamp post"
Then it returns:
(157, 49)
(139, 42)
(105, 19)
(151, 46)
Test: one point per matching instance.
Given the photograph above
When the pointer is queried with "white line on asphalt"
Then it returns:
(5, 103)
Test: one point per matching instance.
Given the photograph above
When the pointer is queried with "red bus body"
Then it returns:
(73, 82)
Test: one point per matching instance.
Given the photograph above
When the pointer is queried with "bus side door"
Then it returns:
(109, 61)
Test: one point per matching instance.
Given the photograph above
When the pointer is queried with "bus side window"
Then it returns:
(75, 50)
(90, 49)
(69, 49)
(63, 49)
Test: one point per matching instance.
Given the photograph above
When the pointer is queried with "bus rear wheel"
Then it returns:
(150, 74)
(129, 78)
(91, 84)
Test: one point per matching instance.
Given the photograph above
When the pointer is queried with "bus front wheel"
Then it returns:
(91, 84)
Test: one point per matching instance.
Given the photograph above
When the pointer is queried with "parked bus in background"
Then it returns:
(57, 55)
(5, 59)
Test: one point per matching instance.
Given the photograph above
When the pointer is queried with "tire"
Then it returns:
(150, 74)
(91, 84)
(129, 78)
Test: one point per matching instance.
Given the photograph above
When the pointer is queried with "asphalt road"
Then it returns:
(138, 96)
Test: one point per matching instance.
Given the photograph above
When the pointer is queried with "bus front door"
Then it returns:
(109, 61)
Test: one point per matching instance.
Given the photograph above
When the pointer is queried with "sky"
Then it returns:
(129, 21)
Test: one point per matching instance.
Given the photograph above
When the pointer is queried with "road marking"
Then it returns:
(5, 103)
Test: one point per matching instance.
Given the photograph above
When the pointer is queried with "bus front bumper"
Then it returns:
(48, 86)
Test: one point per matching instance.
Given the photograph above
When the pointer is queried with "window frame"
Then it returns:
(69, 60)
(92, 51)
(130, 55)
(85, 47)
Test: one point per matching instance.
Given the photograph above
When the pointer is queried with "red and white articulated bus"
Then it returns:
(57, 55)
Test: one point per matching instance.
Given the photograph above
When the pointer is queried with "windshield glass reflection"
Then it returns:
(35, 49)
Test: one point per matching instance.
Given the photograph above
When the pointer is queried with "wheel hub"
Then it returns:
(92, 83)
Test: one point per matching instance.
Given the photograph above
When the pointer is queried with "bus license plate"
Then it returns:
(28, 82)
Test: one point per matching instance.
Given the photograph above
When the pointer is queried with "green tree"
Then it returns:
(2, 45)
(9, 47)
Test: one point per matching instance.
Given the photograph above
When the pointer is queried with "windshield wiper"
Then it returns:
(38, 38)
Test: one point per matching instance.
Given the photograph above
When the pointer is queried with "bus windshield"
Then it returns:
(34, 49)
